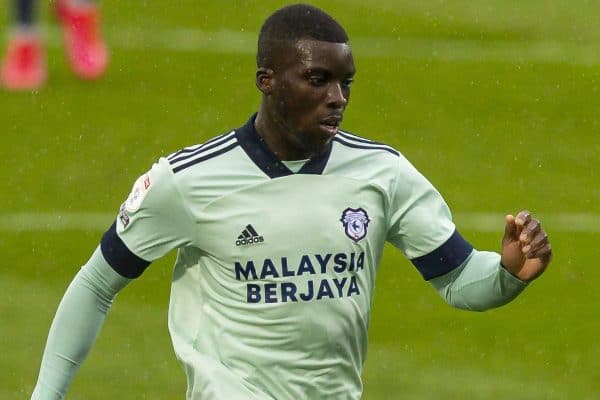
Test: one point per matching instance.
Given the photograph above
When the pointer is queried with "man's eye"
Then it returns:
(316, 80)
(347, 83)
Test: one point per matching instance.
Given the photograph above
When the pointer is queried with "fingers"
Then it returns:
(530, 231)
(533, 239)
(522, 219)
(539, 247)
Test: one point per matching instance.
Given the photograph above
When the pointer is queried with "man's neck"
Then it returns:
(274, 138)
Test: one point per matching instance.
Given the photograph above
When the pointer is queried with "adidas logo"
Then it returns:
(249, 236)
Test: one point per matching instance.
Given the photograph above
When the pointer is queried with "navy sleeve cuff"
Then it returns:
(118, 255)
(445, 258)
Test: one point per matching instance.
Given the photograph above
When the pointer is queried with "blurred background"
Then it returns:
(496, 102)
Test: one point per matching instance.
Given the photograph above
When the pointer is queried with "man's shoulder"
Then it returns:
(355, 151)
(351, 142)
(192, 156)
(369, 159)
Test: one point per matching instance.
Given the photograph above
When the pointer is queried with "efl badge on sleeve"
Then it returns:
(123, 216)
(138, 192)
(355, 223)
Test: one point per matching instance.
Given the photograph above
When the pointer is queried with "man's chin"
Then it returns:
(317, 147)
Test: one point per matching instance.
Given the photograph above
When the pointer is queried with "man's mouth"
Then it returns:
(331, 124)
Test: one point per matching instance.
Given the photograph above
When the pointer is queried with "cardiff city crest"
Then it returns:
(355, 223)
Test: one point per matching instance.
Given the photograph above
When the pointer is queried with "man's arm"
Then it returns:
(479, 284)
(151, 222)
(420, 224)
(486, 280)
(76, 325)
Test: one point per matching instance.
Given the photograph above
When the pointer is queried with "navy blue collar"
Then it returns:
(268, 162)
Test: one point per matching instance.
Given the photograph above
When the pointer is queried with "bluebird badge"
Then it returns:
(355, 223)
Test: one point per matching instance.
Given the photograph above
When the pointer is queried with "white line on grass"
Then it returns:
(57, 221)
(466, 221)
(243, 42)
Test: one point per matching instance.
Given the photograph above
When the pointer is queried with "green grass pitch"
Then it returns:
(495, 101)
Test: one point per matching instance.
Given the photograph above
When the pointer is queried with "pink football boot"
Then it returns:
(85, 48)
(24, 64)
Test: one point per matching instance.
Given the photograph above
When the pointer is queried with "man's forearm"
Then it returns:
(479, 284)
(76, 325)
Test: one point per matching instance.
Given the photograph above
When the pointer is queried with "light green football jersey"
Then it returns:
(275, 273)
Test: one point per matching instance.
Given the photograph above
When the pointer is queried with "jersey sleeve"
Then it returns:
(420, 224)
(479, 284)
(152, 221)
(77, 323)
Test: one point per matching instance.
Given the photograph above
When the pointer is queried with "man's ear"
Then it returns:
(264, 80)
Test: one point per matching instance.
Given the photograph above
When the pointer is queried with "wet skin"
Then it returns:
(305, 94)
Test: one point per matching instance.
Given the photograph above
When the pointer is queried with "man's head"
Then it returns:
(293, 23)
(305, 68)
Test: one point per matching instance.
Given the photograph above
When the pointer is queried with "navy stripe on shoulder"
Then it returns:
(350, 136)
(445, 258)
(366, 145)
(355, 138)
(185, 150)
(209, 141)
(195, 147)
(213, 154)
(118, 255)
(190, 152)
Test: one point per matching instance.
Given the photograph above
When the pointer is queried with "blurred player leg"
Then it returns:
(24, 63)
(85, 48)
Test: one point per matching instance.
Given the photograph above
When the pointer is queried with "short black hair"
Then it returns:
(297, 22)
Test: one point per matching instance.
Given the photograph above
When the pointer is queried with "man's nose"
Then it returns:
(336, 96)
